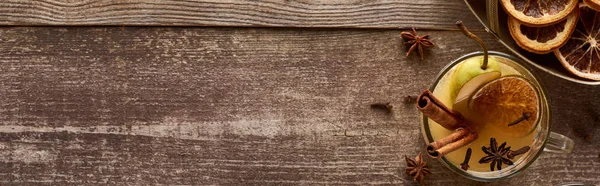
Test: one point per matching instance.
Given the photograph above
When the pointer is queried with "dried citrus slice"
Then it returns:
(581, 54)
(503, 101)
(594, 4)
(539, 12)
(543, 40)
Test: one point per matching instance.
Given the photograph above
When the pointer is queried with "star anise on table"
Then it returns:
(495, 155)
(416, 41)
(417, 168)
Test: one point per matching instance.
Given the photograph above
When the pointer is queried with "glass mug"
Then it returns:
(544, 140)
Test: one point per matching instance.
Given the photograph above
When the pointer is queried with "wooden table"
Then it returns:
(261, 92)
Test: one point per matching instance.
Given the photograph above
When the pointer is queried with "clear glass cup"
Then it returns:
(544, 140)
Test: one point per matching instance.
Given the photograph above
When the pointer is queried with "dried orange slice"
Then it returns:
(503, 102)
(543, 40)
(581, 54)
(594, 4)
(539, 12)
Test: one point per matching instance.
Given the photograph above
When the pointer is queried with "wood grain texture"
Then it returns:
(239, 106)
(272, 13)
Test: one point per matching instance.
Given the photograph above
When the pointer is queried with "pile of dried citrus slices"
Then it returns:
(568, 28)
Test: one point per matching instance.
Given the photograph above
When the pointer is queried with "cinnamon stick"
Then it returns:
(455, 136)
(450, 119)
(466, 136)
(434, 109)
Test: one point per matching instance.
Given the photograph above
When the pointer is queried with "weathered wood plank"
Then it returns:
(143, 105)
(272, 13)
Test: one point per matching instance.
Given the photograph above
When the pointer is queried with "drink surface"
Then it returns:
(443, 93)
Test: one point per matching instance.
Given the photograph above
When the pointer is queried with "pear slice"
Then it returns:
(469, 69)
(468, 88)
(461, 103)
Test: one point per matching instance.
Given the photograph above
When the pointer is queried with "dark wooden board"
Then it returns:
(253, 13)
(192, 105)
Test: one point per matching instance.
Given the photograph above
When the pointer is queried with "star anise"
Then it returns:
(495, 154)
(417, 168)
(416, 41)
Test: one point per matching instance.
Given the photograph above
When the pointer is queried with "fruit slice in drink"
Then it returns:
(508, 104)
(461, 102)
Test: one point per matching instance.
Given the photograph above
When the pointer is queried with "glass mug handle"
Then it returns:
(558, 143)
